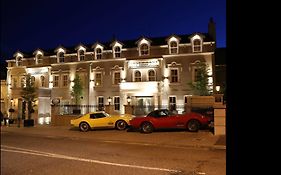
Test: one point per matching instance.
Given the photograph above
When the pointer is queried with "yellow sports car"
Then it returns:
(101, 119)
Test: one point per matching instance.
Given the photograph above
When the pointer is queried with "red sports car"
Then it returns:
(165, 119)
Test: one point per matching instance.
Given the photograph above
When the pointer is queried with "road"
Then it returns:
(25, 153)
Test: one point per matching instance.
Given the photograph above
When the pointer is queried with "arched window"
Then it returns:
(98, 53)
(82, 55)
(173, 47)
(61, 57)
(117, 52)
(197, 46)
(137, 76)
(151, 75)
(144, 49)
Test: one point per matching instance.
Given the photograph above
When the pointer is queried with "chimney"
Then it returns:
(212, 28)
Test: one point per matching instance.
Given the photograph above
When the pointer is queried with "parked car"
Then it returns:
(95, 120)
(166, 119)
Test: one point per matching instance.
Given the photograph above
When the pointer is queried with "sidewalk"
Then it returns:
(201, 139)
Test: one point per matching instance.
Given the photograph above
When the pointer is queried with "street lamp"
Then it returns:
(109, 100)
(129, 100)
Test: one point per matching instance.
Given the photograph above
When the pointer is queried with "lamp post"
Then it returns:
(109, 100)
(218, 88)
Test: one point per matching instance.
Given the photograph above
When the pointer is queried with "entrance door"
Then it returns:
(144, 105)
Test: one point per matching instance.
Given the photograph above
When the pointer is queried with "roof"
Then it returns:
(155, 41)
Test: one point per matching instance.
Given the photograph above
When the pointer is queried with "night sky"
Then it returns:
(30, 24)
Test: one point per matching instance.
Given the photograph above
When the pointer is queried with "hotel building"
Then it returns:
(150, 71)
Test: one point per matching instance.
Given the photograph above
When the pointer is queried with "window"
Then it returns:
(197, 45)
(172, 103)
(61, 57)
(98, 53)
(33, 80)
(143, 49)
(42, 79)
(117, 52)
(174, 75)
(196, 75)
(117, 78)
(39, 59)
(19, 61)
(137, 76)
(65, 80)
(117, 103)
(22, 82)
(98, 79)
(97, 115)
(173, 47)
(82, 55)
(15, 82)
(151, 75)
(100, 103)
(56, 81)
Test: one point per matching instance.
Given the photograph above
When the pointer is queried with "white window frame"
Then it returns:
(171, 78)
(117, 52)
(154, 77)
(65, 81)
(56, 82)
(42, 80)
(137, 77)
(98, 55)
(173, 103)
(173, 47)
(81, 56)
(100, 105)
(142, 50)
(101, 77)
(193, 39)
(116, 105)
(114, 77)
(61, 57)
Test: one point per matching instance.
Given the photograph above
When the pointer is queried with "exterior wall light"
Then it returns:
(218, 88)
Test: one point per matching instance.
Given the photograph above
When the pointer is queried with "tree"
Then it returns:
(201, 85)
(77, 90)
(28, 93)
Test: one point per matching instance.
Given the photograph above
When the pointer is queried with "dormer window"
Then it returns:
(144, 49)
(197, 42)
(61, 57)
(173, 47)
(117, 52)
(98, 53)
(38, 59)
(19, 61)
(81, 55)
(197, 46)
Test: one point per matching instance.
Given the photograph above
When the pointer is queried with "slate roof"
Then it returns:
(155, 41)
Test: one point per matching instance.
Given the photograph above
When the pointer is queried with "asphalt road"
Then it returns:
(25, 153)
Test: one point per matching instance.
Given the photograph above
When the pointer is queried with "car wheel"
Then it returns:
(146, 127)
(84, 127)
(193, 126)
(121, 125)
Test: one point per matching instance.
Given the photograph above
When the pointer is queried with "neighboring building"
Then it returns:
(220, 69)
(148, 71)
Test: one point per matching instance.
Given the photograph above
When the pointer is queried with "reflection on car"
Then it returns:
(95, 120)
(166, 119)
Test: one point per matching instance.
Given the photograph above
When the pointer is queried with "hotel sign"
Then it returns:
(143, 64)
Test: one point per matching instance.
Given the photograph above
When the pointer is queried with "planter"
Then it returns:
(28, 122)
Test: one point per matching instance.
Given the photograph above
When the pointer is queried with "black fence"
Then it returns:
(137, 110)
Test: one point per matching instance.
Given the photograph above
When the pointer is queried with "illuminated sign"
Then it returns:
(143, 64)
(36, 71)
